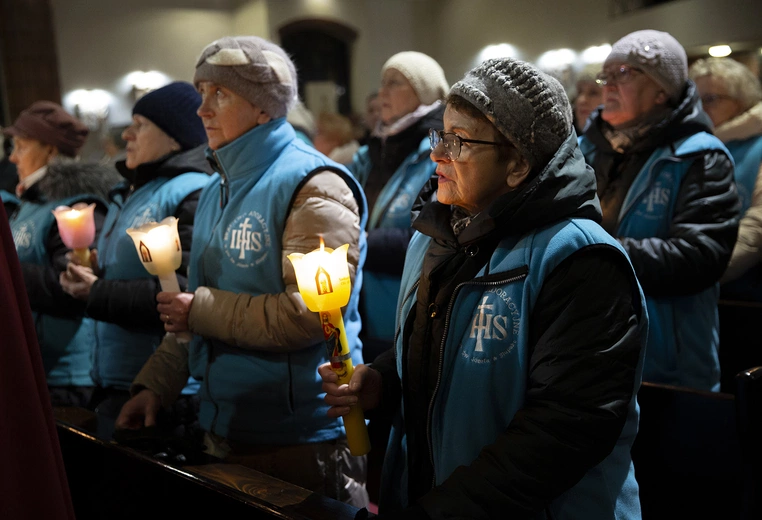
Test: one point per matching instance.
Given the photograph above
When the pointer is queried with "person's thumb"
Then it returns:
(358, 377)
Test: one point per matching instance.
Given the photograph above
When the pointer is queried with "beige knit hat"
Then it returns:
(424, 74)
(252, 67)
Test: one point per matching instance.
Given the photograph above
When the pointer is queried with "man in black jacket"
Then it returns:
(668, 195)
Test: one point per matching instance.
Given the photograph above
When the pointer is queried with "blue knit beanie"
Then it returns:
(173, 109)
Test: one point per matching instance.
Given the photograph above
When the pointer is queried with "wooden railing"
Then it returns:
(109, 480)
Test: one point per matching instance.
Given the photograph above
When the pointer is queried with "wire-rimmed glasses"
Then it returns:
(453, 142)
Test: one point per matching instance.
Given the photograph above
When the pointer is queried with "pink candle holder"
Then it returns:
(77, 229)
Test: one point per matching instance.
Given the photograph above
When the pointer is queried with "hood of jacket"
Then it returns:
(67, 179)
(565, 188)
(742, 127)
(170, 166)
(687, 118)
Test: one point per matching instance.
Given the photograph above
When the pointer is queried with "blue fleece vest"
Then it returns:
(484, 370)
(65, 343)
(747, 155)
(683, 335)
(392, 210)
(9, 199)
(120, 353)
(247, 395)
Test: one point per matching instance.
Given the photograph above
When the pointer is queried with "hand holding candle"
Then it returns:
(77, 229)
(325, 286)
(158, 246)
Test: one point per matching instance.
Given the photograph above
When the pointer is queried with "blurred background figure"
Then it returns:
(732, 97)
(393, 167)
(114, 146)
(46, 142)
(589, 95)
(303, 121)
(165, 169)
(652, 150)
(335, 137)
(8, 176)
(371, 117)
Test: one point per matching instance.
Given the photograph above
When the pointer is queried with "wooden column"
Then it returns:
(28, 59)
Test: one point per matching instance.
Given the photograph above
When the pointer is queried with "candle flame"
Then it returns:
(322, 244)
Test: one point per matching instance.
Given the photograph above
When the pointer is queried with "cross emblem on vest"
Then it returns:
(243, 239)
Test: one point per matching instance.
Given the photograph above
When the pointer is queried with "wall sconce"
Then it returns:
(91, 106)
(141, 83)
(558, 63)
(720, 51)
(500, 50)
(596, 53)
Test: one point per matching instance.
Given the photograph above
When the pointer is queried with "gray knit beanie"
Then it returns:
(252, 67)
(424, 74)
(658, 54)
(529, 107)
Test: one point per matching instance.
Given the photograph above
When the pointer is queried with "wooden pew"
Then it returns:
(698, 454)
(108, 480)
(749, 409)
(740, 340)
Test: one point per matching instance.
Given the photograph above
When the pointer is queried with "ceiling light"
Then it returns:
(719, 51)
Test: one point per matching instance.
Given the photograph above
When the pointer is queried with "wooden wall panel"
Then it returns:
(28, 53)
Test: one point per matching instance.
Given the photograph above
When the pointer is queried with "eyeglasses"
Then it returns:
(618, 76)
(453, 142)
(390, 84)
(711, 99)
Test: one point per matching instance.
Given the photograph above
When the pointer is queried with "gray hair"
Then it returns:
(741, 83)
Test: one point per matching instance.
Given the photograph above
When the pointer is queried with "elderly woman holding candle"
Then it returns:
(256, 346)
(521, 325)
(165, 168)
(46, 141)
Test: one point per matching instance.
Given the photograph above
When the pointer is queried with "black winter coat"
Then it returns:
(705, 221)
(584, 349)
(132, 303)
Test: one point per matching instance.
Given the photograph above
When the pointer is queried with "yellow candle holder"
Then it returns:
(324, 283)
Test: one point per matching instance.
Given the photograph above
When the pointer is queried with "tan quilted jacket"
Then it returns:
(270, 322)
(748, 249)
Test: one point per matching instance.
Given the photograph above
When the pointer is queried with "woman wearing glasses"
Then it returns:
(667, 194)
(732, 97)
(392, 168)
(521, 325)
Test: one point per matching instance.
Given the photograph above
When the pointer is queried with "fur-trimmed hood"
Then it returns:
(742, 127)
(69, 178)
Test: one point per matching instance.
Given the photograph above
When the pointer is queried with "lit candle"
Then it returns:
(323, 279)
(77, 229)
(158, 247)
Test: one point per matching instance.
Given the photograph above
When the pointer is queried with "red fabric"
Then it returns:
(33, 481)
